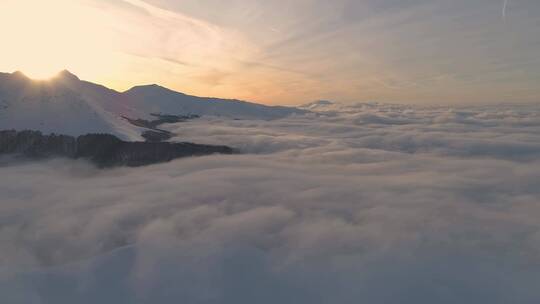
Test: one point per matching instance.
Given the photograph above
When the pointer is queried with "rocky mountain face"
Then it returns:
(104, 150)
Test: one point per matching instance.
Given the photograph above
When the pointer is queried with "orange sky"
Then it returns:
(281, 52)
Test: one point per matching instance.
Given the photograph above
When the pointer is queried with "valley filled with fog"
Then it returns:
(366, 203)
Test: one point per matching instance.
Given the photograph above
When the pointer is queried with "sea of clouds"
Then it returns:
(367, 203)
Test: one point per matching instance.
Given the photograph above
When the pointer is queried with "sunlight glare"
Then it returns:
(45, 37)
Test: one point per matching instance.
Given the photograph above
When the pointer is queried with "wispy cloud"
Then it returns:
(292, 52)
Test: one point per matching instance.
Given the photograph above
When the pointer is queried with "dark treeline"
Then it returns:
(104, 150)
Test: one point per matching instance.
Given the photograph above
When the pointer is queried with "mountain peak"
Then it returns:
(67, 75)
(63, 75)
(20, 75)
(151, 88)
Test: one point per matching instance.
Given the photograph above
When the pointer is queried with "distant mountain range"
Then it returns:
(316, 105)
(70, 106)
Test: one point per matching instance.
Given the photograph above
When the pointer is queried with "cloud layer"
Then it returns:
(370, 203)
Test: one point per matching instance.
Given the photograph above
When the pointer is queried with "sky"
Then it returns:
(286, 52)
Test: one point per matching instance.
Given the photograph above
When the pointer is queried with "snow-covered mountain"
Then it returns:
(57, 106)
(156, 99)
(67, 105)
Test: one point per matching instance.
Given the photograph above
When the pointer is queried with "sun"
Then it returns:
(38, 72)
(42, 65)
(41, 38)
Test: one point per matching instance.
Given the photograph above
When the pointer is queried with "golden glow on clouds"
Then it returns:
(111, 44)
(276, 51)
(119, 44)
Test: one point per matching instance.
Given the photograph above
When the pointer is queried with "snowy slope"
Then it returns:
(56, 106)
(157, 99)
(67, 105)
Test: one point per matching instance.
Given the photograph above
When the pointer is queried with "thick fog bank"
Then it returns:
(366, 204)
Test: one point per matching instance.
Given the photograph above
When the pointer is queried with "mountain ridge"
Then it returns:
(65, 104)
